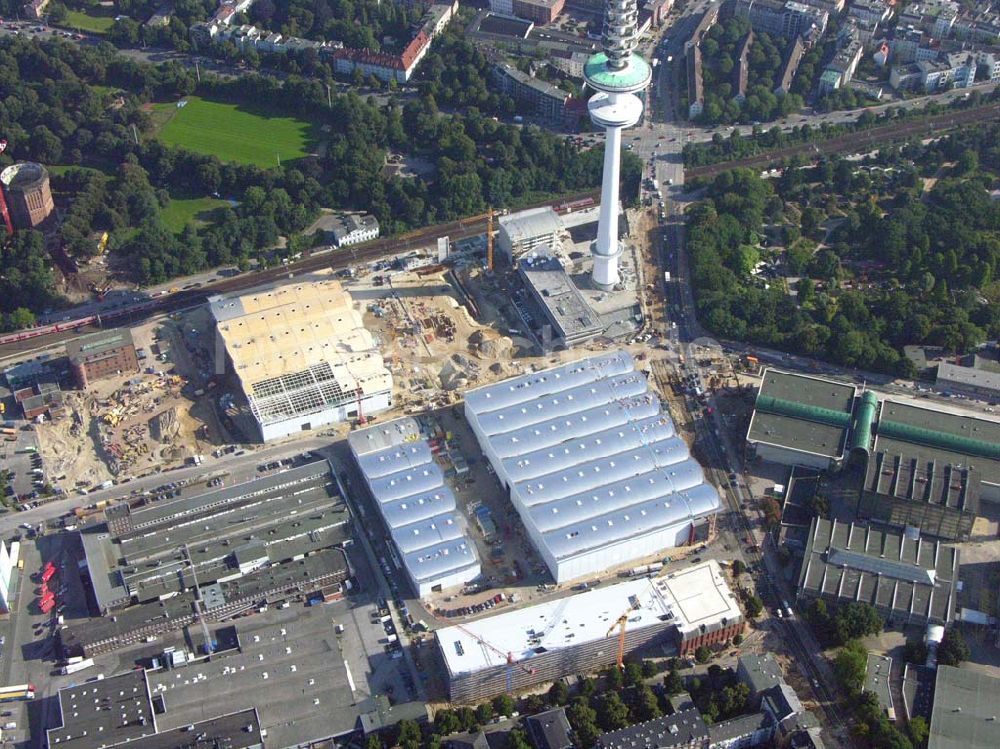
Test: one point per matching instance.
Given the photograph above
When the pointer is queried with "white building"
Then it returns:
(302, 355)
(418, 509)
(536, 229)
(570, 635)
(592, 464)
(8, 561)
(353, 229)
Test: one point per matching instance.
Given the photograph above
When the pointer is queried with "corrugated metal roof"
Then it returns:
(381, 436)
(592, 464)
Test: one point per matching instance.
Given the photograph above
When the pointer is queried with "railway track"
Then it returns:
(857, 141)
(378, 249)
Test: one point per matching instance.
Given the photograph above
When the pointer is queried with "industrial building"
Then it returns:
(99, 355)
(578, 633)
(942, 438)
(908, 579)
(966, 706)
(592, 464)
(26, 191)
(121, 710)
(940, 498)
(975, 381)
(801, 420)
(571, 319)
(534, 230)
(419, 511)
(275, 536)
(302, 355)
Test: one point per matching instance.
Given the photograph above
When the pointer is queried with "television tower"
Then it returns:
(615, 73)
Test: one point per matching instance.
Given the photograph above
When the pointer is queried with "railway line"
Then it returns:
(33, 339)
(858, 140)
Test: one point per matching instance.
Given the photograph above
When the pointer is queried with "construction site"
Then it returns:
(129, 424)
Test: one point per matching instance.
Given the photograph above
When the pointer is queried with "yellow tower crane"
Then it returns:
(635, 603)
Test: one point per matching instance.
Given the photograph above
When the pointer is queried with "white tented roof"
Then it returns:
(540, 384)
(577, 426)
(589, 458)
(567, 622)
(572, 452)
(593, 473)
(556, 405)
(394, 459)
(424, 533)
(444, 559)
(418, 507)
(408, 487)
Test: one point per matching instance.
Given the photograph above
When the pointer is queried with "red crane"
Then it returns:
(3, 201)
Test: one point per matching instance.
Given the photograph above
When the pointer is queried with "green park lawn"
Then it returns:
(93, 23)
(182, 211)
(234, 133)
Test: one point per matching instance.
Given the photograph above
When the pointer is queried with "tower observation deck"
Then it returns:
(615, 73)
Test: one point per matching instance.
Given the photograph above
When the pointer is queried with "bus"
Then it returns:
(17, 693)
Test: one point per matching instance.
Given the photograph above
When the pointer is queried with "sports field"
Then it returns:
(182, 211)
(95, 24)
(234, 133)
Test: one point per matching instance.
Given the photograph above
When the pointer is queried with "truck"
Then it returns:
(666, 276)
(656, 185)
(72, 668)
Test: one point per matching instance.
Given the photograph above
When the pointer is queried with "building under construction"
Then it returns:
(302, 355)
(583, 633)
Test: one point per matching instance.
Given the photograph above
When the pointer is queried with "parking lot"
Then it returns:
(19, 456)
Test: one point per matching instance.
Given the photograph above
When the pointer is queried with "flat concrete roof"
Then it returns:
(86, 347)
(103, 713)
(564, 306)
(946, 422)
(877, 670)
(966, 707)
(800, 434)
(907, 478)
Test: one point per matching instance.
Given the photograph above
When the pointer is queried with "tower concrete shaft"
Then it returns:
(615, 74)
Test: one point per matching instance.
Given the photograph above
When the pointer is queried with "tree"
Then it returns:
(738, 639)
(484, 713)
(754, 606)
(649, 668)
(534, 703)
(915, 651)
(18, 319)
(518, 739)
(558, 693)
(702, 654)
(952, 650)
(504, 704)
(374, 741)
(583, 719)
(772, 512)
(446, 722)
(919, 730)
(857, 619)
(409, 734)
(614, 678)
(645, 705)
(673, 683)
(633, 673)
(849, 666)
(612, 713)
(739, 567)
